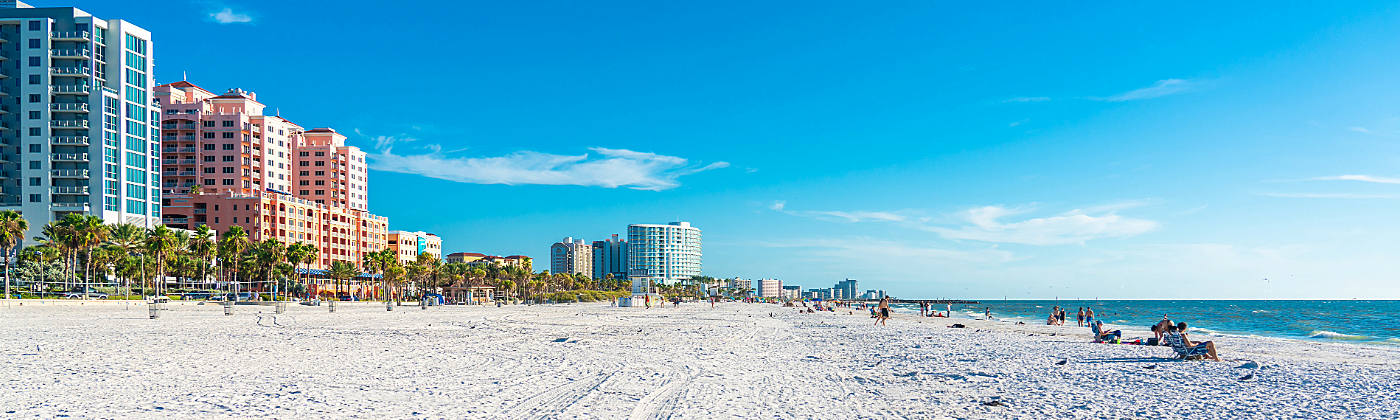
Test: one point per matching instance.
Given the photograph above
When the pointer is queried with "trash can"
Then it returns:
(389, 305)
(155, 309)
(228, 307)
(423, 303)
(281, 307)
(331, 304)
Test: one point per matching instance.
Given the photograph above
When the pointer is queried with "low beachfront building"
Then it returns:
(409, 245)
(462, 257)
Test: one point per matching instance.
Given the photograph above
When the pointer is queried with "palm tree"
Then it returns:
(300, 253)
(130, 239)
(202, 246)
(160, 242)
(89, 233)
(234, 241)
(269, 253)
(341, 270)
(12, 228)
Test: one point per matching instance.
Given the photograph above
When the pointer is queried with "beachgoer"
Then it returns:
(1081, 316)
(1089, 316)
(884, 310)
(949, 314)
(1160, 328)
(1050, 320)
(989, 313)
(1062, 316)
(1101, 335)
(1185, 340)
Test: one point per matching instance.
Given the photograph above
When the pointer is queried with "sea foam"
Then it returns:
(1335, 335)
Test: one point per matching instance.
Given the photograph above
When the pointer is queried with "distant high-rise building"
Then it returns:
(80, 127)
(847, 289)
(662, 254)
(769, 288)
(571, 256)
(610, 257)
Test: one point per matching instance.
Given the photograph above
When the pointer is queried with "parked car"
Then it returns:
(198, 296)
(240, 297)
(79, 294)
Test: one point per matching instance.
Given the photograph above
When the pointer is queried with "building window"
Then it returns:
(228, 182)
(320, 163)
(302, 154)
(208, 181)
(208, 170)
(228, 135)
(228, 123)
(34, 164)
(304, 173)
(320, 182)
(34, 98)
(34, 148)
(34, 115)
(305, 192)
(35, 25)
(303, 182)
(227, 169)
(228, 158)
(209, 147)
(208, 135)
(209, 123)
(303, 163)
(228, 146)
(33, 79)
(36, 131)
(320, 192)
(34, 182)
(320, 153)
(36, 198)
(33, 61)
(208, 158)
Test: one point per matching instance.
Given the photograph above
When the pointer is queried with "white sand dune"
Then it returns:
(593, 361)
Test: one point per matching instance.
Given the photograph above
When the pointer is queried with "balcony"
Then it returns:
(187, 150)
(5, 55)
(186, 161)
(70, 157)
(71, 89)
(69, 173)
(68, 123)
(69, 71)
(174, 220)
(5, 91)
(82, 190)
(71, 53)
(69, 206)
(73, 140)
(201, 211)
(69, 35)
(187, 138)
(169, 150)
(185, 173)
(4, 109)
(69, 107)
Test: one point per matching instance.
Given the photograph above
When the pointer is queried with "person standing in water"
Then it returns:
(1089, 316)
(989, 313)
(1081, 316)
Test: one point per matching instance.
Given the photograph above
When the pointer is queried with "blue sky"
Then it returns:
(1021, 150)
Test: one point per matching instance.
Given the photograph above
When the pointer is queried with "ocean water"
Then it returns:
(1356, 321)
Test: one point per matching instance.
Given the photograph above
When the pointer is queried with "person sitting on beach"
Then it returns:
(1101, 335)
(1176, 337)
(1050, 320)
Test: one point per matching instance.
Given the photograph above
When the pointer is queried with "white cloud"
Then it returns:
(986, 223)
(1027, 99)
(778, 205)
(1158, 89)
(1364, 178)
(1329, 195)
(870, 249)
(1359, 129)
(227, 16)
(1019, 123)
(613, 168)
(1072, 228)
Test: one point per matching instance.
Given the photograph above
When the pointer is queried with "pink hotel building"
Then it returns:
(264, 173)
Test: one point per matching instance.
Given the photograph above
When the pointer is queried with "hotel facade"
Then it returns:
(661, 254)
(78, 126)
(409, 245)
(225, 163)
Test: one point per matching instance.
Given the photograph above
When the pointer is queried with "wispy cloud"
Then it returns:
(227, 16)
(1026, 99)
(1330, 195)
(986, 224)
(864, 248)
(1158, 89)
(1019, 123)
(1363, 178)
(612, 168)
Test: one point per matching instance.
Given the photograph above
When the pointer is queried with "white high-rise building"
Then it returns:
(662, 254)
(80, 126)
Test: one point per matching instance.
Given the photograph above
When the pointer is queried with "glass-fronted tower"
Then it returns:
(661, 254)
(78, 126)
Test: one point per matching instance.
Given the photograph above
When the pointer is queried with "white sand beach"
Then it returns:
(594, 361)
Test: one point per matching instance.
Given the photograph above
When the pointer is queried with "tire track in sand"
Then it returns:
(552, 402)
(661, 403)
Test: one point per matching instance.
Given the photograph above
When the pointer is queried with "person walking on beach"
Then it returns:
(1089, 316)
(989, 313)
(884, 310)
(1081, 316)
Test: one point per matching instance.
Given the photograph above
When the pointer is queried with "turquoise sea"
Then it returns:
(1357, 321)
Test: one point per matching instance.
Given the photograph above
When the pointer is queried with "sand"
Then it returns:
(594, 361)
